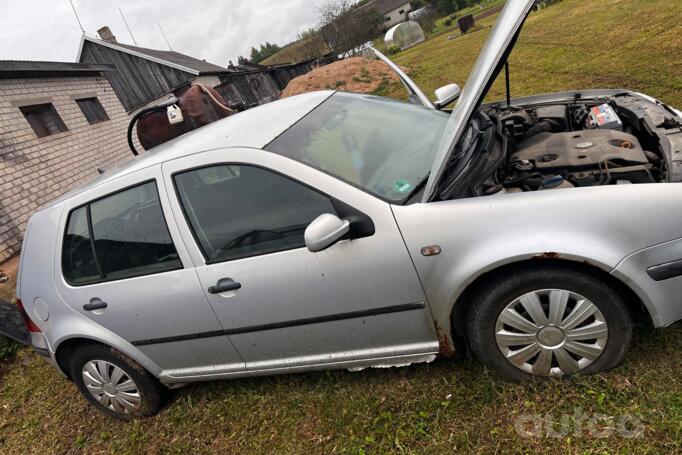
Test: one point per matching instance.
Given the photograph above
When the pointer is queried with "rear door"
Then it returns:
(245, 213)
(122, 264)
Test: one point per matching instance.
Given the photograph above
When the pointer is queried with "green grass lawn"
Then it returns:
(451, 405)
(574, 44)
(442, 27)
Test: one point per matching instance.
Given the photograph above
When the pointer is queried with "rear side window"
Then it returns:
(78, 257)
(241, 211)
(119, 236)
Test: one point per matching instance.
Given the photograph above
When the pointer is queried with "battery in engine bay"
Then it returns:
(604, 117)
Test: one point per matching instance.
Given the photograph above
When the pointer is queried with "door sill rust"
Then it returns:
(398, 364)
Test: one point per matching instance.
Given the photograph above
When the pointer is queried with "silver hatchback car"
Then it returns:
(336, 230)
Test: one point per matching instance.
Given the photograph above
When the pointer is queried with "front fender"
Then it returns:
(662, 298)
(597, 225)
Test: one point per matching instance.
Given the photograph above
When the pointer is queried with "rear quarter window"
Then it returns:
(78, 259)
(119, 236)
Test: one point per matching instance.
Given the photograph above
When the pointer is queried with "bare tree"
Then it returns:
(312, 44)
(344, 26)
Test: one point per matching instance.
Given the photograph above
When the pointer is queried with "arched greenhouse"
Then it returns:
(404, 35)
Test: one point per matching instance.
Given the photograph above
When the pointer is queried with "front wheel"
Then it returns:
(115, 384)
(551, 321)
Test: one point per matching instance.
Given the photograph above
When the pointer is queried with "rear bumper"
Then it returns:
(40, 346)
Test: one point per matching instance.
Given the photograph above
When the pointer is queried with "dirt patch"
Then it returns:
(356, 74)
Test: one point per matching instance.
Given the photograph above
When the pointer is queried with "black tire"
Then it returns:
(151, 392)
(495, 294)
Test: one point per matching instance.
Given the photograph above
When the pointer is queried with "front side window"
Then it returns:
(118, 236)
(381, 146)
(237, 211)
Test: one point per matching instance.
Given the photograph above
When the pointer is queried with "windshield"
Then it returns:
(381, 146)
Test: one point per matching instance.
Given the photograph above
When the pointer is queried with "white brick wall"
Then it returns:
(33, 170)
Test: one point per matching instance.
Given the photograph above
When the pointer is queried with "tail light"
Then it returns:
(30, 325)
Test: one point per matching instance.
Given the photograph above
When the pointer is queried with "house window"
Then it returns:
(387, 18)
(402, 11)
(44, 119)
(92, 110)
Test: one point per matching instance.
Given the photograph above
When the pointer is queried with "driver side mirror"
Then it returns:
(446, 95)
(324, 231)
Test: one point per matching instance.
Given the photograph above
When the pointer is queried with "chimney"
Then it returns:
(106, 35)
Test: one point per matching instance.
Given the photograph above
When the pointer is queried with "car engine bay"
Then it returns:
(611, 140)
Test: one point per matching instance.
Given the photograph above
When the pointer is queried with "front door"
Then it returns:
(282, 306)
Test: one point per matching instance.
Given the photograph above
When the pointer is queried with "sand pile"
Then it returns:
(356, 74)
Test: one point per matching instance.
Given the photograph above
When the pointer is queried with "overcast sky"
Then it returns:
(215, 30)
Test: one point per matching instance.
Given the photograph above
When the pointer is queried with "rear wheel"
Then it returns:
(548, 322)
(116, 384)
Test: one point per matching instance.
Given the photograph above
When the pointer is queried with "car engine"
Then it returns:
(616, 140)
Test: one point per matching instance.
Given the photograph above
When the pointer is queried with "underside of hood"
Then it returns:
(489, 64)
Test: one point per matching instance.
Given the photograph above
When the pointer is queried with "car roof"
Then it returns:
(253, 128)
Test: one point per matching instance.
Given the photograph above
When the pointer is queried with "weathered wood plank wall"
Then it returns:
(137, 81)
(247, 89)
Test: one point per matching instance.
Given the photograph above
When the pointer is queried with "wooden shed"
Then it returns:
(144, 74)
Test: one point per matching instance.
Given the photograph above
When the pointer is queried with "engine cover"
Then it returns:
(581, 150)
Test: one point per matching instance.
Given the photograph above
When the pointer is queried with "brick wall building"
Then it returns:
(59, 123)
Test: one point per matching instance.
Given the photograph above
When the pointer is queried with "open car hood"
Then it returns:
(489, 64)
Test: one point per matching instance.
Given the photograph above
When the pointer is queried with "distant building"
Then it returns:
(59, 123)
(394, 11)
(144, 75)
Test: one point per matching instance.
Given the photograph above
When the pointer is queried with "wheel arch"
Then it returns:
(67, 347)
(466, 298)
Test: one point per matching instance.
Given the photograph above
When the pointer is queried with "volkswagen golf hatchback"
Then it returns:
(335, 230)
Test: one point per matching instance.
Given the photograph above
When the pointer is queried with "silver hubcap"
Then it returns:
(111, 386)
(551, 332)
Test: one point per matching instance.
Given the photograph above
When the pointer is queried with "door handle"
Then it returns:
(224, 285)
(95, 304)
